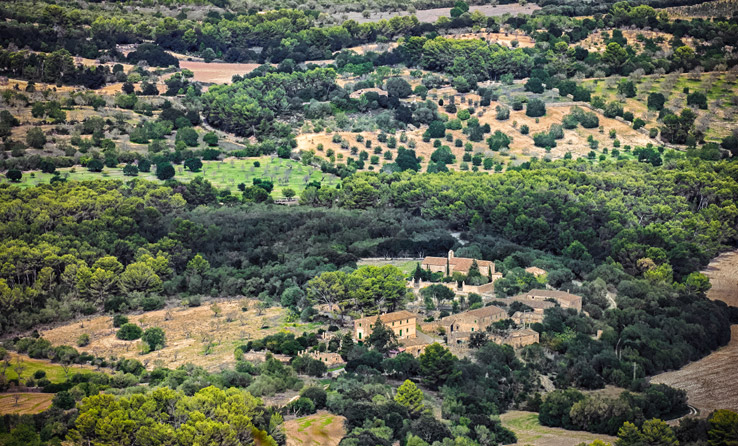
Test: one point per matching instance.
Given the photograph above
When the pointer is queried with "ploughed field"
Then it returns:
(710, 382)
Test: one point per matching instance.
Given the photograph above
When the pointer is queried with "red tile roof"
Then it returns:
(458, 263)
(389, 317)
(479, 313)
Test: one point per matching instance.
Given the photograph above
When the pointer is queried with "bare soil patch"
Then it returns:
(193, 335)
(321, 429)
(710, 382)
(504, 39)
(217, 72)
(28, 403)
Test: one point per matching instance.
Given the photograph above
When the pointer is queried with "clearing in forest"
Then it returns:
(205, 336)
(322, 428)
(54, 372)
(27, 403)
(217, 72)
(530, 431)
(225, 174)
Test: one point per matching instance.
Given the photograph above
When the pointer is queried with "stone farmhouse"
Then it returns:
(460, 327)
(536, 271)
(451, 264)
(517, 338)
(403, 323)
(472, 320)
(330, 359)
(563, 298)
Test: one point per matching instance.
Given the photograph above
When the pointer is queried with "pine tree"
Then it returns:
(629, 435)
(410, 396)
(382, 339)
(418, 273)
(347, 344)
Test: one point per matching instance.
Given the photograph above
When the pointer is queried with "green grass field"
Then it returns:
(406, 266)
(530, 431)
(227, 174)
(54, 372)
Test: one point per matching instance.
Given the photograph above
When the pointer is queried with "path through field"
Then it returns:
(710, 382)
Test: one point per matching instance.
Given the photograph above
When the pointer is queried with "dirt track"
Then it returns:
(710, 382)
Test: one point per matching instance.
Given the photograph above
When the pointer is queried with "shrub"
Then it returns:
(524, 130)
(119, 320)
(697, 99)
(627, 88)
(129, 332)
(556, 131)
(589, 120)
(193, 164)
(144, 165)
(656, 101)
(436, 129)
(535, 108)
(503, 113)
(154, 337)
(95, 166)
(82, 341)
(534, 85)
(130, 170)
(498, 141)
(544, 139)
(569, 121)
(164, 171)
(302, 406)
(210, 139)
(14, 175)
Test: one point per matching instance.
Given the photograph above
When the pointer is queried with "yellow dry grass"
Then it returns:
(217, 72)
(522, 147)
(188, 333)
(320, 429)
(595, 41)
(26, 404)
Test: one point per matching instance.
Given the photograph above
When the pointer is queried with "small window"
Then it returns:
(359, 335)
(401, 332)
(472, 329)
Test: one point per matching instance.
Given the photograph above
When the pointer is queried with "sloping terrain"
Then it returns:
(710, 382)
